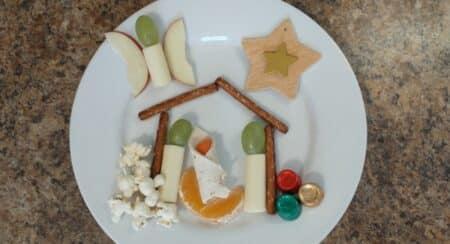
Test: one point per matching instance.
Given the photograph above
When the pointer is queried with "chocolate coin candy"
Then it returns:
(310, 195)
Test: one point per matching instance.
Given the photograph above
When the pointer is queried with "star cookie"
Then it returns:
(278, 60)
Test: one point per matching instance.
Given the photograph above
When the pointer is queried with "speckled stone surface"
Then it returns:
(399, 50)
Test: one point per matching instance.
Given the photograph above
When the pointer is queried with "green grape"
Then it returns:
(179, 133)
(146, 31)
(253, 138)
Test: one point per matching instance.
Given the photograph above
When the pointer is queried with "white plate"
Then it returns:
(326, 142)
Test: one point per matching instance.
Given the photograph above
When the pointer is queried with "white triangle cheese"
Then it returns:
(210, 175)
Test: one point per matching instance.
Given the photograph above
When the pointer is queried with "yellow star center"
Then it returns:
(278, 61)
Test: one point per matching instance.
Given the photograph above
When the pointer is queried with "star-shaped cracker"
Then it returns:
(268, 60)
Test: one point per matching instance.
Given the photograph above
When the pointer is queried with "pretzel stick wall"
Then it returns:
(247, 102)
(177, 100)
(271, 171)
(159, 143)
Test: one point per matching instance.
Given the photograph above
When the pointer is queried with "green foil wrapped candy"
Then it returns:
(288, 207)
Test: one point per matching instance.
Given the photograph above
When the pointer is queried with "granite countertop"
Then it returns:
(399, 50)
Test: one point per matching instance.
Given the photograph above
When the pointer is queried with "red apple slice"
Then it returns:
(175, 48)
(131, 53)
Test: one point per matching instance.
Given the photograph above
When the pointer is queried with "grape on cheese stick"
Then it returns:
(147, 33)
(173, 157)
(253, 143)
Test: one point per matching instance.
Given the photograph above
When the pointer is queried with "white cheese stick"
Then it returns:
(172, 164)
(157, 65)
(255, 183)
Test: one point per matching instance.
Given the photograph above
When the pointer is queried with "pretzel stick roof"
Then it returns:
(211, 88)
(177, 100)
(251, 105)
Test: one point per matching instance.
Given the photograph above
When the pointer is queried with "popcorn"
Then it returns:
(159, 180)
(126, 185)
(126, 161)
(141, 210)
(118, 208)
(139, 223)
(135, 184)
(152, 199)
(140, 173)
(137, 150)
(164, 223)
(146, 186)
(167, 214)
(167, 211)
(142, 164)
(141, 214)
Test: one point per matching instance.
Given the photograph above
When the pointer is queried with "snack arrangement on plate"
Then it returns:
(182, 168)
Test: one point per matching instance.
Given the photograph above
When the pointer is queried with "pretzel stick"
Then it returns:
(177, 100)
(159, 143)
(247, 102)
(271, 171)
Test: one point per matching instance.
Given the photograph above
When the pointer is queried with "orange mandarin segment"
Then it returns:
(215, 210)
(189, 191)
(219, 207)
